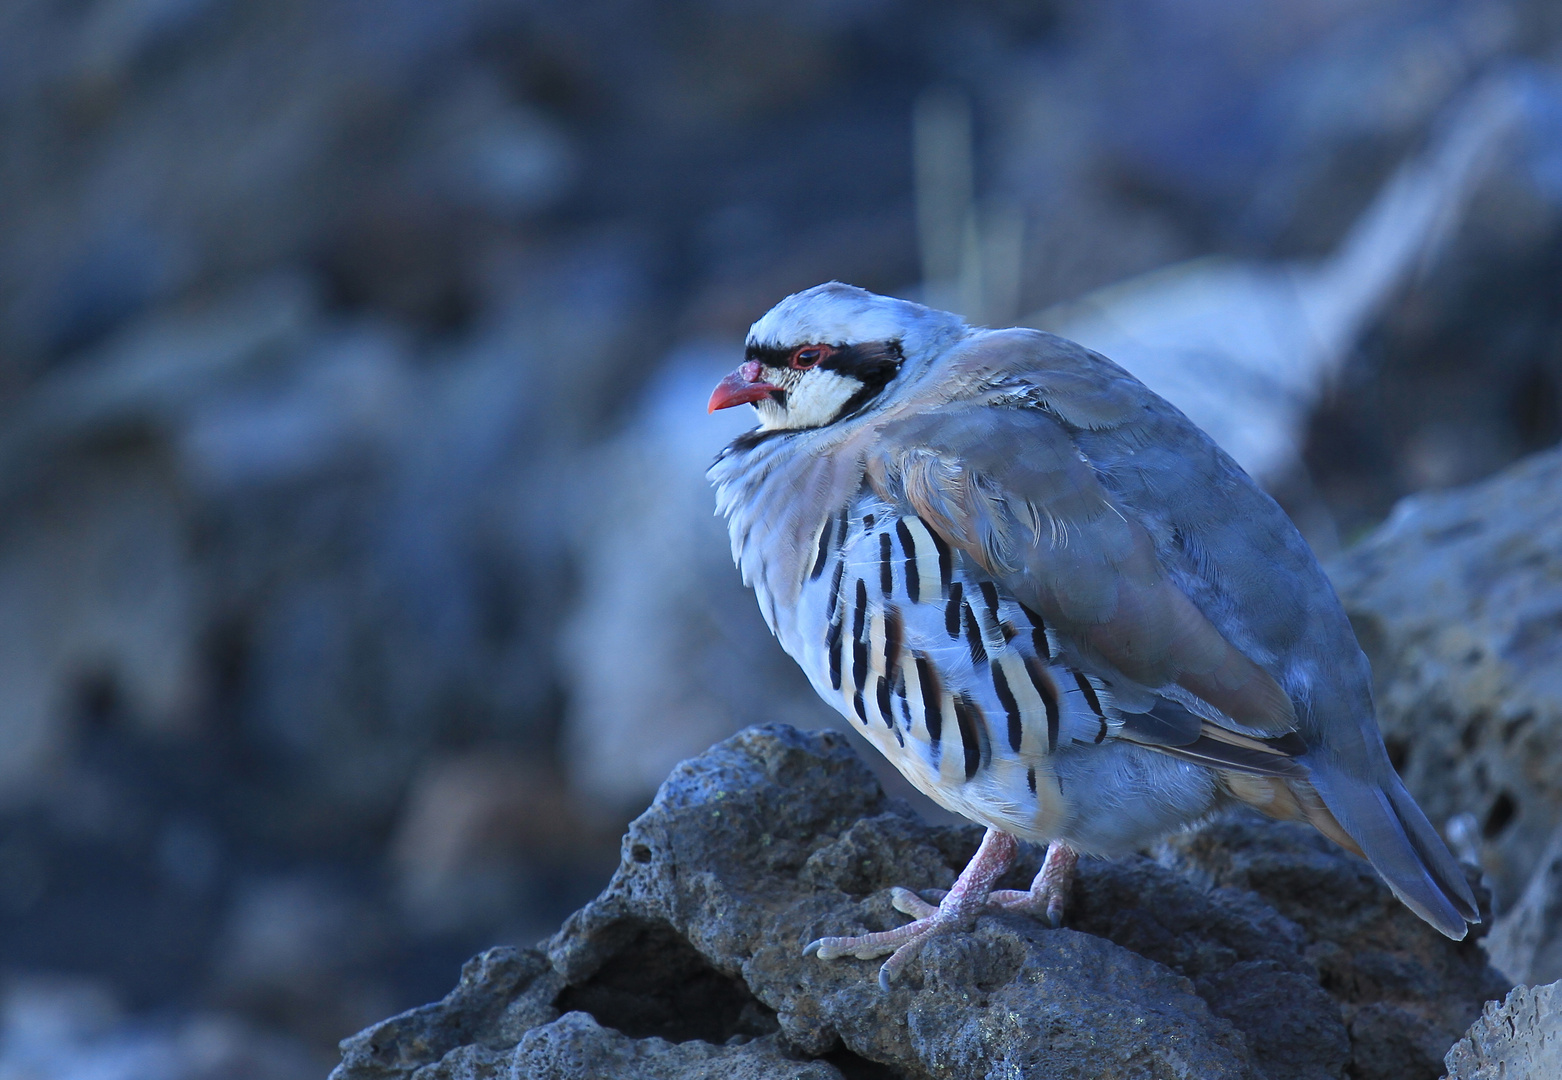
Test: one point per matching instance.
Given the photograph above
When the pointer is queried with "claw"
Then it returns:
(903, 956)
(1056, 879)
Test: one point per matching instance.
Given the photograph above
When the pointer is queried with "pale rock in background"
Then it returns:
(1518, 1038)
(1247, 349)
(1525, 942)
(1457, 601)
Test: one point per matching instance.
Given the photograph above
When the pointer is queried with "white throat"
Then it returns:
(812, 400)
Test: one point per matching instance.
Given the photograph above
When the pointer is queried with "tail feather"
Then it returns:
(1402, 846)
(1435, 856)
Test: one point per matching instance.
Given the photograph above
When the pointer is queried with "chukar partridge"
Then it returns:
(1051, 600)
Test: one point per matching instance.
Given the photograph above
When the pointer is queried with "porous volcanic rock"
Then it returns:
(1248, 949)
(1457, 601)
(1519, 1038)
(1404, 991)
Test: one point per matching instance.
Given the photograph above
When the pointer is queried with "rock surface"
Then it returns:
(1526, 940)
(1457, 601)
(1403, 990)
(1519, 1038)
(1246, 950)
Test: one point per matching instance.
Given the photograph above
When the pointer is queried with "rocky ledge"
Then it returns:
(1246, 949)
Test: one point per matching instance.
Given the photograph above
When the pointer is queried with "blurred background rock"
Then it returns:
(357, 575)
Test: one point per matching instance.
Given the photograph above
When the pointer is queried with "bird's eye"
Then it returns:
(809, 355)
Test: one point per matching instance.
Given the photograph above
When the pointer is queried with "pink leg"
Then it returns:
(1049, 893)
(955, 911)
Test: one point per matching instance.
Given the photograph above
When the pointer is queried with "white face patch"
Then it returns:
(813, 398)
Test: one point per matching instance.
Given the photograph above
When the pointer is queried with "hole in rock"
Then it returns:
(1502, 810)
(1511, 729)
(1536, 405)
(853, 1067)
(658, 985)
(1470, 734)
(99, 705)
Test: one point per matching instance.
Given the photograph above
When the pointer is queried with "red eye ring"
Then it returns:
(808, 356)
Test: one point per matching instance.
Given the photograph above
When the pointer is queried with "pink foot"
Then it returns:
(955, 911)
(1049, 894)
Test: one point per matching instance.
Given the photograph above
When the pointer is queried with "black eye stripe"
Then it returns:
(769, 355)
(873, 362)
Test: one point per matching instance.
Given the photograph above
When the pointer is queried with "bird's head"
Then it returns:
(826, 354)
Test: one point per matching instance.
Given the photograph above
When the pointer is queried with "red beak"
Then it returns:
(742, 387)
